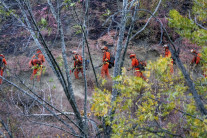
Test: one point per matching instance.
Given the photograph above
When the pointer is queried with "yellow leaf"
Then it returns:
(194, 134)
(147, 74)
(205, 126)
(205, 121)
(143, 109)
(141, 117)
(197, 122)
(107, 98)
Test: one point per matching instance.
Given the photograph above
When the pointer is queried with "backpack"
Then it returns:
(87, 63)
(36, 60)
(141, 65)
(1, 62)
(111, 61)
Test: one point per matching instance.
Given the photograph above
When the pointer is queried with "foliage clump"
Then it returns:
(189, 27)
(161, 107)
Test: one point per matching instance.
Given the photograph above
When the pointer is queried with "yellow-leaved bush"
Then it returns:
(163, 104)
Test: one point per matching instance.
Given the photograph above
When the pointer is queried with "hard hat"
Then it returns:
(104, 48)
(165, 46)
(192, 51)
(38, 49)
(132, 55)
(2, 55)
(74, 52)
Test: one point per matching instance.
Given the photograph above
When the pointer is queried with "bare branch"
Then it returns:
(147, 21)
(6, 128)
(69, 93)
(54, 127)
(128, 38)
(150, 129)
(51, 115)
(49, 104)
(84, 65)
(86, 41)
(180, 110)
(195, 20)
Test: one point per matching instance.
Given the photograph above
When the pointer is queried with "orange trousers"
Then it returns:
(139, 74)
(77, 71)
(105, 71)
(36, 72)
(1, 73)
(171, 66)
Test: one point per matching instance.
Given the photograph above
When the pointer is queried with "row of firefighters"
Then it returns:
(36, 63)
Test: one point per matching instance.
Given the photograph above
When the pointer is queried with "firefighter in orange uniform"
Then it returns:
(3, 64)
(36, 62)
(78, 64)
(196, 60)
(136, 68)
(168, 55)
(105, 66)
(197, 57)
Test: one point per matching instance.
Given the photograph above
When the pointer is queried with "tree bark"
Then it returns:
(69, 92)
(107, 128)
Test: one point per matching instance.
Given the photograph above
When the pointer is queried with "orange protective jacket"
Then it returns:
(167, 53)
(78, 61)
(196, 58)
(2, 69)
(4, 61)
(137, 72)
(135, 63)
(37, 59)
(106, 58)
(105, 66)
(78, 65)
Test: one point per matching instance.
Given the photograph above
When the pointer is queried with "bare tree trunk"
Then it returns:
(84, 67)
(119, 48)
(128, 36)
(69, 93)
(107, 128)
